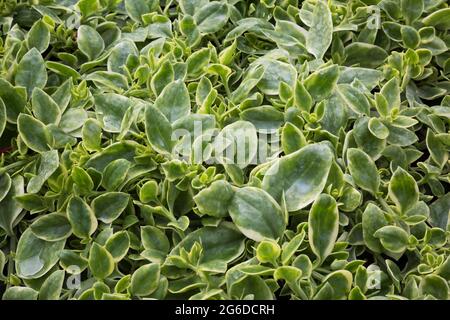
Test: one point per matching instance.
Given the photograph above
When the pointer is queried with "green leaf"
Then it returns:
(20, 293)
(190, 30)
(35, 257)
(115, 174)
(110, 109)
(302, 98)
(354, 99)
(5, 184)
(197, 61)
(62, 69)
(438, 19)
(251, 286)
(268, 251)
(341, 282)
(323, 226)
(364, 55)
(174, 102)
(435, 286)
(439, 209)
(90, 42)
(373, 219)
(49, 163)
(301, 176)
(438, 151)
(52, 286)
(256, 214)
(73, 119)
(137, 8)
(44, 107)
(220, 244)
(264, 118)
(88, 7)
(81, 217)
(211, 17)
(122, 51)
(411, 9)
(392, 238)
(82, 180)
(108, 206)
(378, 129)
(363, 170)
(158, 130)
(191, 6)
(145, 279)
(215, 199)
(403, 190)
(52, 227)
(155, 241)
(162, 78)
(73, 262)
(34, 133)
(10, 208)
(275, 73)
(149, 191)
(118, 245)
(322, 82)
(92, 135)
(39, 36)
(291, 247)
(321, 30)
(292, 139)
(101, 262)
(16, 98)
(31, 71)
(410, 37)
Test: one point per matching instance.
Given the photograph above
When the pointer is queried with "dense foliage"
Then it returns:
(224, 149)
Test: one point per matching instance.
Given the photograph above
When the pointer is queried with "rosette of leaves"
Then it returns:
(108, 190)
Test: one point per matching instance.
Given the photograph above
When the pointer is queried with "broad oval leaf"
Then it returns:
(90, 42)
(31, 71)
(39, 36)
(34, 133)
(145, 279)
(110, 109)
(215, 199)
(211, 17)
(35, 257)
(373, 219)
(363, 170)
(118, 245)
(256, 214)
(115, 174)
(174, 101)
(81, 218)
(322, 82)
(101, 262)
(403, 190)
(44, 107)
(301, 176)
(220, 244)
(392, 238)
(52, 227)
(108, 206)
(20, 293)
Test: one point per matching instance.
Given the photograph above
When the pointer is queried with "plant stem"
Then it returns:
(12, 252)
